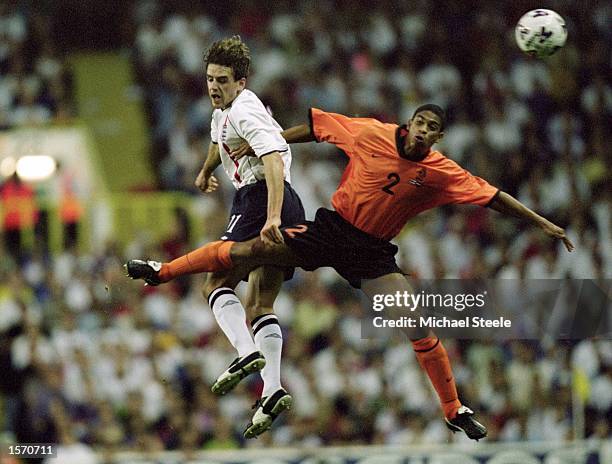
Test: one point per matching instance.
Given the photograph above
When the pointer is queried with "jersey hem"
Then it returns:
(311, 124)
(492, 198)
(270, 152)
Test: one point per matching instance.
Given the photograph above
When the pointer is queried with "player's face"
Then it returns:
(222, 88)
(424, 130)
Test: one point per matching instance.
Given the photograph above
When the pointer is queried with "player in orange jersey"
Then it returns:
(392, 175)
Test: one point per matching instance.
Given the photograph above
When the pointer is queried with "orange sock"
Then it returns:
(211, 257)
(433, 358)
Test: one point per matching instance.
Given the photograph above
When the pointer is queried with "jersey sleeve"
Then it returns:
(213, 129)
(335, 128)
(255, 125)
(465, 188)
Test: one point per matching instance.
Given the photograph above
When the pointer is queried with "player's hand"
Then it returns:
(243, 150)
(270, 233)
(206, 183)
(555, 231)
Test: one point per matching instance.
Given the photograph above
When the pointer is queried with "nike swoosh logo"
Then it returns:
(229, 303)
(273, 336)
(449, 379)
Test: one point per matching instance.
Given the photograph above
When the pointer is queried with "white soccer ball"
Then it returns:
(540, 32)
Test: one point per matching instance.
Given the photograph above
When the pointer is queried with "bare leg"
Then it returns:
(214, 280)
(253, 254)
(264, 285)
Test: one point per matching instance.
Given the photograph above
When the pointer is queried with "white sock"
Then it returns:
(231, 317)
(269, 340)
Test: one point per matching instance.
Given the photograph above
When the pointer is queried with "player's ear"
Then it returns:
(242, 83)
(440, 136)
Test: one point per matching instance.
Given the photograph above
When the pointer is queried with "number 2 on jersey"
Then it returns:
(395, 178)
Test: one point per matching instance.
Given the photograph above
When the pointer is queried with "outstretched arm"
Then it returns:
(507, 204)
(295, 134)
(299, 134)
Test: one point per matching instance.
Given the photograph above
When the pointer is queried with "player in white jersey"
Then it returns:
(264, 202)
(246, 117)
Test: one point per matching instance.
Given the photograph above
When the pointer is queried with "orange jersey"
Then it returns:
(380, 190)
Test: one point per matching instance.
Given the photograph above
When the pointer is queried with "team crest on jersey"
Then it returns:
(420, 178)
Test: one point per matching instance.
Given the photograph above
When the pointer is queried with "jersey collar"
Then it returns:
(400, 141)
(229, 105)
(232, 102)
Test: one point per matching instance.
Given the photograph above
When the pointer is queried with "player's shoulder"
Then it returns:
(247, 95)
(436, 156)
(441, 161)
(378, 135)
(247, 98)
(375, 128)
(247, 103)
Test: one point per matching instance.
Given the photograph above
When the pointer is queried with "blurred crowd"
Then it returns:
(35, 83)
(89, 357)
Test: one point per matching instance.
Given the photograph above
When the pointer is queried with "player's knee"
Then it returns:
(242, 252)
(212, 283)
(257, 309)
(253, 253)
(206, 290)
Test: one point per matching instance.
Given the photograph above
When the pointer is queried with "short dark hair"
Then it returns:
(233, 53)
(437, 110)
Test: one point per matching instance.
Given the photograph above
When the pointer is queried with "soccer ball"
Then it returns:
(540, 33)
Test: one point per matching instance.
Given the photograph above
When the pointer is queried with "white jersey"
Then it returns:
(247, 119)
